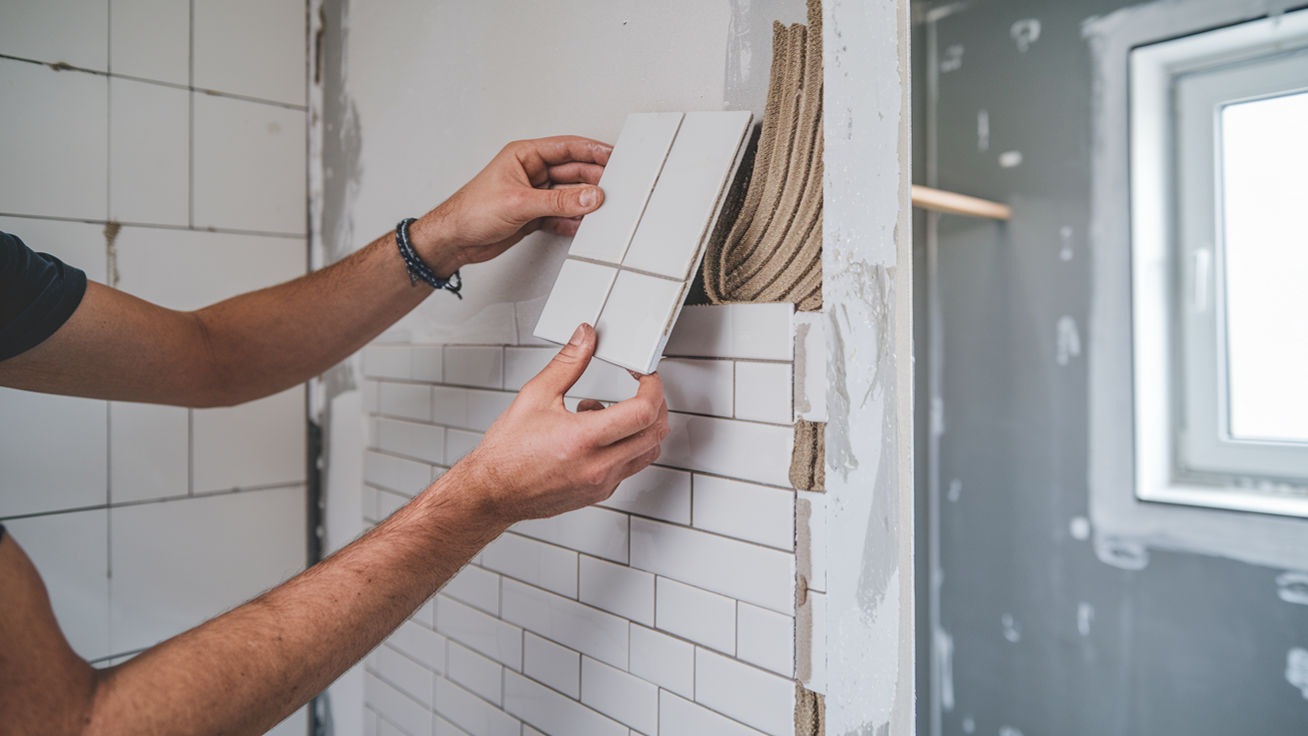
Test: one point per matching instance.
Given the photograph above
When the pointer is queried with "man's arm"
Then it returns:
(116, 346)
(246, 670)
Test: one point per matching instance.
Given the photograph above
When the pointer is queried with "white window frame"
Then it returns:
(1184, 454)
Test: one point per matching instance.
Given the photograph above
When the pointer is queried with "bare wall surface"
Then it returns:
(1035, 634)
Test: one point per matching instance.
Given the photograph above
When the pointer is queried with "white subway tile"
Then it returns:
(404, 711)
(595, 531)
(521, 364)
(554, 713)
(406, 400)
(260, 443)
(459, 443)
(175, 563)
(662, 493)
(149, 153)
(371, 723)
(618, 589)
(57, 457)
(426, 613)
(150, 39)
(601, 381)
(810, 390)
(741, 570)
(663, 660)
(404, 476)
(467, 408)
(487, 634)
(680, 717)
(472, 714)
(552, 665)
(619, 695)
(371, 396)
(577, 295)
(442, 727)
(476, 587)
(698, 386)
(411, 678)
(149, 451)
(703, 617)
(386, 728)
(68, 551)
(763, 392)
(254, 48)
(475, 672)
(753, 696)
(750, 331)
(388, 361)
(427, 363)
(248, 163)
(484, 407)
(811, 538)
(577, 626)
(388, 503)
(529, 731)
(420, 643)
(480, 366)
(745, 510)
(531, 561)
(766, 638)
(369, 505)
(811, 642)
(423, 442)
(70, 31)
(55, 147)
(747, 450)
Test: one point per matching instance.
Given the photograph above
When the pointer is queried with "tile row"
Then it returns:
(248, 47)
(100, 148)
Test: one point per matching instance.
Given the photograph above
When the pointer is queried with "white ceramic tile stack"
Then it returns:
(632, 260)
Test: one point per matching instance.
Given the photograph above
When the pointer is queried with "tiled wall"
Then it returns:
(184, 122)
(668, 609)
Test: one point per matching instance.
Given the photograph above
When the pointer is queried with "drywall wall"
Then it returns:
(1031, 632)
(160, 148)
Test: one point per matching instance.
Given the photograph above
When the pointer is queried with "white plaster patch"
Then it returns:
(1025, 32)
(945, 666)
(1012, 632)
(1292, 587)
(983, 130)
(1079, 528)
(1296, 669)
(1065, 251)
(1010, 159)
(1121, 553)
(1069, 340)
(952, 61)
(955, 490)
(1085, 615)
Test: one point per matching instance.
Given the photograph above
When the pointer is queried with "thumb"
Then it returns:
(562, 202)
(566, 367)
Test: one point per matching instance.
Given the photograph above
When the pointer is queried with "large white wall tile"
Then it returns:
(766, 638)
(662, 493)
(78, 244)
(150, 39)
(617, 589)
(72, 31)
(481, 631)
(543, 565)
(249, 165)
(69, 551)
(596, 531)
(149, 153)
(577, 626)
(745, 510)
(750, 331)
(187, 269)
(703, 617)
(551, 664)
(554, 713)
(260, 443)
(737, 449)
(54, 150)
(178, 563)
(761, 699)
(663, 660)
(255, 48)
(619, 695)
(740, 570)
(57, 457)
(763, 391)
(679, 716)
(149, 451)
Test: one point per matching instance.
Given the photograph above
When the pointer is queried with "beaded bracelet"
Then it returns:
(419, 270)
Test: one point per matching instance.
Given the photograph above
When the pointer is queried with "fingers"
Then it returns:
(576, 172)
(561, 202)
(565, 226)
(567, 366)
(561, 149)
(589, 405)
(626, 418)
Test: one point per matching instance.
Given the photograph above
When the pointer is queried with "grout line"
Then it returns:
(156, 226)
(148, 501)
(628, 269)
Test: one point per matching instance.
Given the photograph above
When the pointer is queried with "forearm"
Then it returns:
(249, 668)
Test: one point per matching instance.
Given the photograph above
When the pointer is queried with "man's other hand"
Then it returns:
(539, 459)
(540, 184)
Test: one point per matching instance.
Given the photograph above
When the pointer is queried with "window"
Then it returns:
(1219, 266)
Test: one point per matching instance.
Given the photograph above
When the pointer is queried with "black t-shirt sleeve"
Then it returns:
(38, 293)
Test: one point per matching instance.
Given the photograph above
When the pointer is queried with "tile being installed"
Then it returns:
(633, 326)
(682, 206)
(578, 295)
(627, 181)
